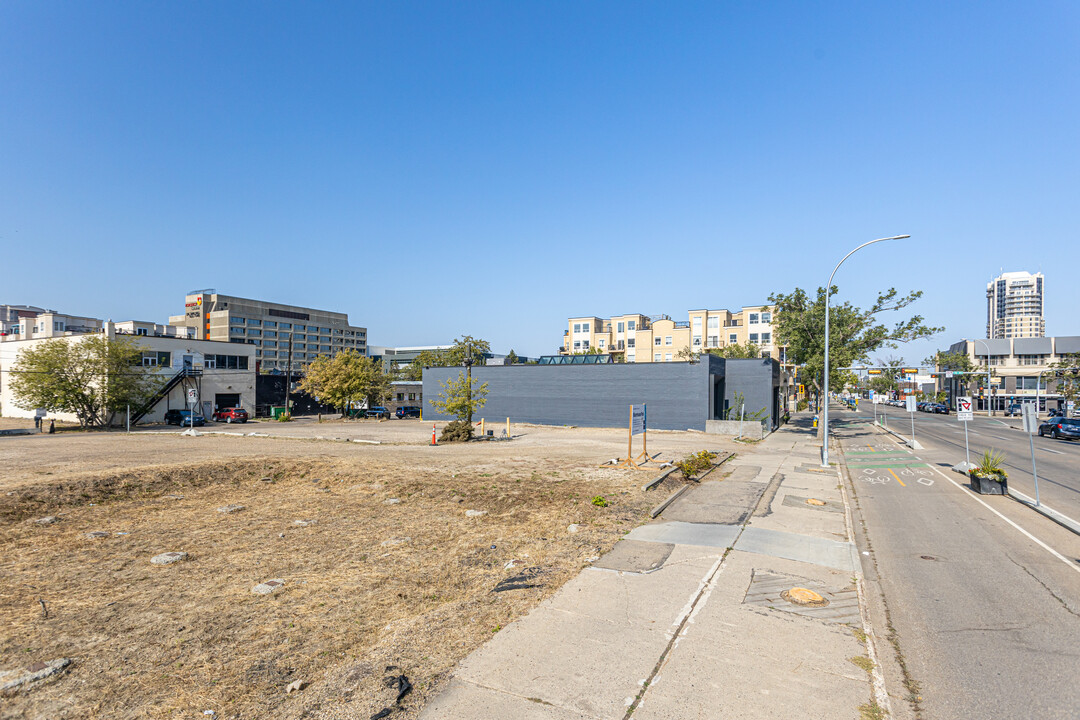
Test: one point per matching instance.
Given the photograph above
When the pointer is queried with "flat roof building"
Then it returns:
(270, 327)
(638, 338)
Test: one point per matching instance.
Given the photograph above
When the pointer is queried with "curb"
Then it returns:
(1063, 520)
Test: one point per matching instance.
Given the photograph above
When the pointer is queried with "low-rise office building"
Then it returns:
(222, 374)
(277, 331)
(701, 395)
(1020, 369)
(638, 338)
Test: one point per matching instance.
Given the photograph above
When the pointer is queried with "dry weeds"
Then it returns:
(173, 641)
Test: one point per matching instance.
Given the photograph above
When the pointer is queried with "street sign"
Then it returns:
(948, 374)
(964, 413)
(1031, 417)
(192, 396)
(911, 403)
(637, 420)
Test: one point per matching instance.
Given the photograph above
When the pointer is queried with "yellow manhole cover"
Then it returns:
(815, 501)
(804, 597)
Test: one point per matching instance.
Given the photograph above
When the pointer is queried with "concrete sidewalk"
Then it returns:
(687, 618)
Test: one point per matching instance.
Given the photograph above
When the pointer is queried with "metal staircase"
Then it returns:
(163, 392)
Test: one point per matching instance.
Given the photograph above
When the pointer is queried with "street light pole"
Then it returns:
(989, 400)
(828, 291)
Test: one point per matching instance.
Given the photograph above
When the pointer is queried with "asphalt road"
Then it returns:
(1057, 461)
(979, 595)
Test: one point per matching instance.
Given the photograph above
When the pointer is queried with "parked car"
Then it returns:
(1060, 428)
(941, 408)
(1014, 409)
(408, 411)
(377, 412)
(183, 417)
(230, 415)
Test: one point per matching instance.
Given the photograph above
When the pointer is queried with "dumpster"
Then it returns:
(277, 411)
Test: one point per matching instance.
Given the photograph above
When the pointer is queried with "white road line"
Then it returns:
(1056, 452)
(979, 500)
(998, 437)
(1037, 541)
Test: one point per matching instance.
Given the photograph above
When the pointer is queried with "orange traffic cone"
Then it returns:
(433, 435)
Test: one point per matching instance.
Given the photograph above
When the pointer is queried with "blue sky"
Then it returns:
(438, 169)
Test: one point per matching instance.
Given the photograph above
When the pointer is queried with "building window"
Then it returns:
(656, 357)
(714, 323)
(667, 340)
(697, 341)
(270, 333)
(657, 342)
(400, 397)
(412, 396)
(631, 325)
(766, 338)
(577, 344)
(733, 339)
(270, 323)
(754, 338)
(269, 353)
(714, 341)
(753, 318)
(630, 358)
(667, 357)
(138, 331)
(269, 343)
(766, 317)
(253, 321)
(620, 327)
(254, 331)
(630, 343)
(584, 344)
(602, 343)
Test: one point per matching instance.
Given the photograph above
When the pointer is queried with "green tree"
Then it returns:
(687, 354)
(512, 357)
(889, 379)
(854, 333)
(459, 399)
(1067, 375)
(346, 380)
(968, 373)
(94, 378)
(748, 351)
(590, 351)
(447, 357)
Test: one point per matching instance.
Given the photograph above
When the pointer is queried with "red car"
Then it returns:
(230, 415)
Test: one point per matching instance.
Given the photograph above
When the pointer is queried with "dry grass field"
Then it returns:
(385, 572)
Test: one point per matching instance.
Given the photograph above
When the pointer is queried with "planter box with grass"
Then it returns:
(989, 478)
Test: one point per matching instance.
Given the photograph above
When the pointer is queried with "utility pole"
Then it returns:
(468, 380)
(288, 376)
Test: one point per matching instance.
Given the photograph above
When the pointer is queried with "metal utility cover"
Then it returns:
(766, 588)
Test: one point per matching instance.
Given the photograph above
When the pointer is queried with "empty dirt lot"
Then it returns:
(385, 571)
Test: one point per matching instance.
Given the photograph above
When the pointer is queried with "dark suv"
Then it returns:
(408, 411)
(1060, 428)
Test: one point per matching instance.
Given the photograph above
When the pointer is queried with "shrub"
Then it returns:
(801, 405)
(599, 501)
(457, 431)
(696, 463)
(284, 417)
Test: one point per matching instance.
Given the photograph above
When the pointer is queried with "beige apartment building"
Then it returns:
(643, 338)
(1014, 306)
(269, 327)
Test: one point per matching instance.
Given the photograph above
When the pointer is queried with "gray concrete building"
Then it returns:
(270, 327)
(679, 395)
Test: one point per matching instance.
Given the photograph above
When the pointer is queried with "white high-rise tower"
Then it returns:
(1014, 306)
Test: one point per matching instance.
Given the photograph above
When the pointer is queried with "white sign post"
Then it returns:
(911, 409)
(192, 398)
(1030, 415)
(965, 414)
